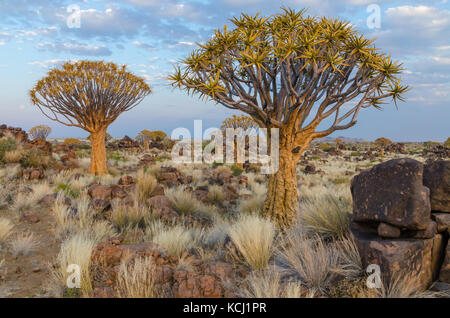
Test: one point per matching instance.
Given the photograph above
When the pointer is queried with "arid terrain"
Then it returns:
(152, 228)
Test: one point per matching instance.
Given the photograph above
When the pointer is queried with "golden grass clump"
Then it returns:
(137, 279)
(253, 236)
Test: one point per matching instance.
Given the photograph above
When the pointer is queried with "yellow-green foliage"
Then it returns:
(447, 143)
(325, 147)
(242, 121)
(151, 135)
(382, 142)
(72, 141)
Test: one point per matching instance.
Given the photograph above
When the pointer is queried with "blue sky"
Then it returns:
(150, 35)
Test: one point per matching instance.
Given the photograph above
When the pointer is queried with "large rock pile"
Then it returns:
(127, 143)
(400, 221)
(18, 133)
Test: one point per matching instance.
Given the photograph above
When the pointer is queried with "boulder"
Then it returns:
(444, 275)
(100, 205)
(443, 222)
(159, 190)
(98, 191)
(393, 193)
(436, 176)
(41, 144)
(161, 204)
(17, 133)
(126, 142)
(117, 192)
(389, 231)
(127, 180)
(29, 217)
(414, 258)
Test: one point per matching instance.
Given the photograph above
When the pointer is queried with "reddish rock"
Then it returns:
(127, 180)
(41, 144)
(29, 217)
(388, 231)
(392, 192)
(100, 205)
(162, 205)
(117, 192)
(414, 258)
(98, 191)
(159, 190)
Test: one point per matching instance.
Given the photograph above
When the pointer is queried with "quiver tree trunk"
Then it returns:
(98, 164)
(281, 203)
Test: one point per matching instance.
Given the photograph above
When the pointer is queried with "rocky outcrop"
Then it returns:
(17, 133)
(414, 258)
(170, 177)
(41, 144)
(127, 143)
(393, 193)
(201, 279)
(392, 223)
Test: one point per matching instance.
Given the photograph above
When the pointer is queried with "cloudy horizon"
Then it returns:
(150, 36)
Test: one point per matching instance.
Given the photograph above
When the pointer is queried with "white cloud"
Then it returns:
(76, 48)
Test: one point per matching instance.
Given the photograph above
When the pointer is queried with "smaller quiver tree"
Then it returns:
(89, 95)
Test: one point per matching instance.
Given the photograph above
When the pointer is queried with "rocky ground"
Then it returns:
(152, 228)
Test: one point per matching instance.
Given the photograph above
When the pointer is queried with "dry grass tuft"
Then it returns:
(6, 227)
(24, 244)
(74, 250)
(145, 185)
(311, 259)
(253, 236)
(176, 238)
(137, 279)
(268, 284)
(24, 202)
(327, 215)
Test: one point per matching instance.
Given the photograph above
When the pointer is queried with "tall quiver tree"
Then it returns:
(291, 72)
(89, 95)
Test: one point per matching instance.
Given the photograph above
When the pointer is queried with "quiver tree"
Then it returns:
(291, 72)
(243, 122)
(145, 136)
(40, 132)
(382, 143)
(89, 95)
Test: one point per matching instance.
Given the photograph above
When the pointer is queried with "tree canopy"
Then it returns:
(277, 68)
(88, 94)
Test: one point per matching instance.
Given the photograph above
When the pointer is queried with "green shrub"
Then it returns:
(217, 164)
(340, 180)
(6, 144)
(35, 158)
(67, 189)
(325, 147)
(236, 171)
(447, 143)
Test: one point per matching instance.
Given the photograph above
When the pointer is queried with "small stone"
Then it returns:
(36, 270)
(388, 231)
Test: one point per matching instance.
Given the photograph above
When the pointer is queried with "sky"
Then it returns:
(151, 35)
